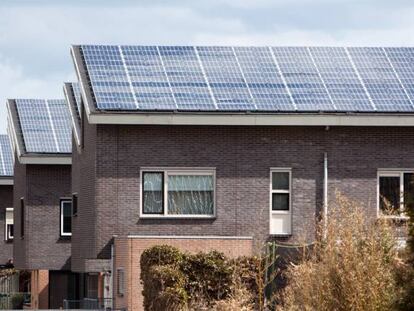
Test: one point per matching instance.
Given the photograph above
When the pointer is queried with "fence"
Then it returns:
(13, 300)
(9, 283)
(88, 304)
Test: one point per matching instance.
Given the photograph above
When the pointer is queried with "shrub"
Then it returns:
(352, 268)
(17, 300)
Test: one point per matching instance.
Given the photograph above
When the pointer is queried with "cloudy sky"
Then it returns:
(35, 35)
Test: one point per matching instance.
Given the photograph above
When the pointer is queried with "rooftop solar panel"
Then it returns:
(225, 78)
(78, 97)
(380, 79)
(45, 125)
(6, 157)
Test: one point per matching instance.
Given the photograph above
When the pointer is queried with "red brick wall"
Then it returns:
(128, 253)
(40, 289)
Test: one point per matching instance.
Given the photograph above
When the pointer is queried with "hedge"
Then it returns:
(171, 278)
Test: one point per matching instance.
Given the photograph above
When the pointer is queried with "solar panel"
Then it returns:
(45, 125)
(341, 80)
(263, 79)
(6, 156)
(402, 60)
(307, 88)
(302, 79)
(380, 79)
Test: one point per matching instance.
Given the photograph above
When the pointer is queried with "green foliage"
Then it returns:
(17, 300)
(177, 281)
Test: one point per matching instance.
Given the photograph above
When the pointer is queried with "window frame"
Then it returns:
(61, 216)
(7, 236)
(272, 191)
(120, 281)
(175, 171)
(392, 173)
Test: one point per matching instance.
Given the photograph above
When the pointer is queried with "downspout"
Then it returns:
(325, 194)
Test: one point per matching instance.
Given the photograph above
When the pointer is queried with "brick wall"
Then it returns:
(6, 201)
(42, 187)
(39, 289)
(128, 253)
(242, 157)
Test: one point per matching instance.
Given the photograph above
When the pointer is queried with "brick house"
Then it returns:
(41, 135)
(229, 147)
(6, 200)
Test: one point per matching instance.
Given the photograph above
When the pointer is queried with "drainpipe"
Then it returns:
(325, 194)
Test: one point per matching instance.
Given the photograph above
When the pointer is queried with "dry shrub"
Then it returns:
(352, 268)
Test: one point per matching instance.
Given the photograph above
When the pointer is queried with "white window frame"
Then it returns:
(272, 191)
(392, 173)
(8, 222)
(62, 201)
(175, 171)
(120, 280)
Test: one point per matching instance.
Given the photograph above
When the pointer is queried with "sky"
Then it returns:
(36, 35)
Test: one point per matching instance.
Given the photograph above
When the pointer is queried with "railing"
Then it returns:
(89, 304)
(13, 300)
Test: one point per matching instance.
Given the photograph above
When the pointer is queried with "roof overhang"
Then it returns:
(45, 159)
(6, 181)
(246, 119)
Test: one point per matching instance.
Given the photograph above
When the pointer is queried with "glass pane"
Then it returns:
(408, 190)
(190, 195)
(280, 201)
(153, 193)
(67, 217)
(280, 181)
(390, 194)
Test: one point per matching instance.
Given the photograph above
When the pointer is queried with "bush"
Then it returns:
(17, 301)
(352, 268)
(180, 281)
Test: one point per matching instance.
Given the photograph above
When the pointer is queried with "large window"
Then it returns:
(395, 192)
(65, 217)
(177, 193)
(9, 230)
(280, 201)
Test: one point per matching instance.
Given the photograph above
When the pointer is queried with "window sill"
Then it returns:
(280, 235)
(64, 238)
(176, 217)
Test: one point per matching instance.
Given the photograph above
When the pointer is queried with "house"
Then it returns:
(6, 201)
(41, 135)
(229, 147)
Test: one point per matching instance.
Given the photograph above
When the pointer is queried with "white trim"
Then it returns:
(62, 201)
(166, 77)
(175, 171)
(6, 182)
(271, 192)
(82, 87)
(3, 165)
(360, 78)
(52, 160)
(320, 77)
(253, 119)
(74, 121)
(7, 222)
(283, 77)
(244, 78)
(205, 77)
(392, 173)
(398, 77)
(52, 125)
(190, 237)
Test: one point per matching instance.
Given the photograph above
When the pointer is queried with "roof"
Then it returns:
(40, 128)
(6, 157)
(254, 80)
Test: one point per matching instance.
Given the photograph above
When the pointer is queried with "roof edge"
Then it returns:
(45, 159)
(253, 119)
(6, 181)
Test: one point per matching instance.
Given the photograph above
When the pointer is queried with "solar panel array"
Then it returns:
(45, 125)
(303, 79)
(6, 157)
(78, 97)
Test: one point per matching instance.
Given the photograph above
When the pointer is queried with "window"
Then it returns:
(395, 192)
(65, 217)
(280, 201)
(21, 217)
(120, 281)
(177, 193)
(75, 204)
(9, 230)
